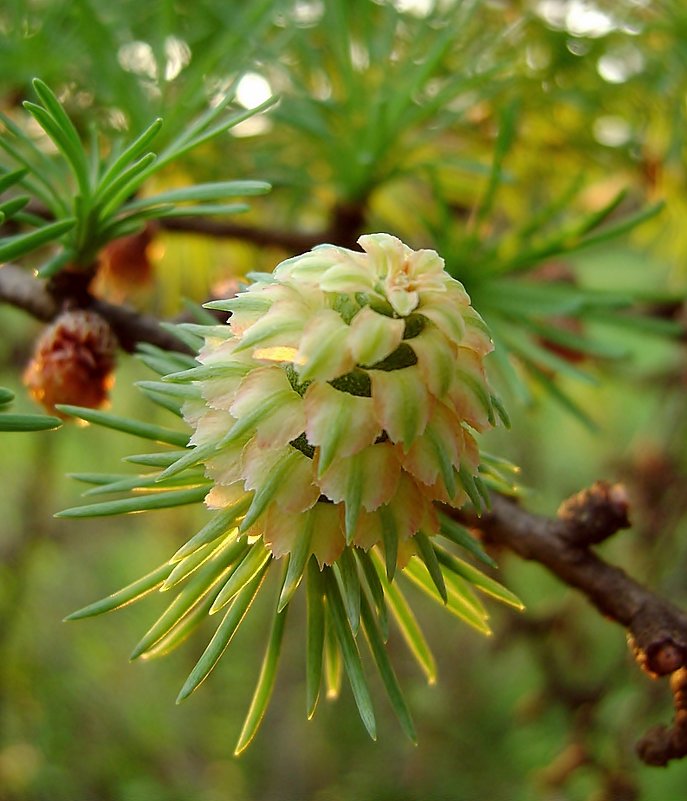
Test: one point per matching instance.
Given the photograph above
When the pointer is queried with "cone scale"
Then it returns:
(352, 385)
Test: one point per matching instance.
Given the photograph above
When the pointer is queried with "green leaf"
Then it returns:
(333, 665)
(350, 654)
(130, 153)
(346, 571)
(41, 187)
(375, 589)
(96, 478)
(128, 483)
(9, 179)
(222, 522)
(386, 671)
(563, 399)
(6, 396)
(298, 559)
(56, 123)
(525, 297)
(265, 684)
(483, 492)
(500, 411)
(460, 602)
(142, 503)
(201, 319)
(180, 630)
(182, 333)
(55, 264)
(429, 557)
(478, 579)
(28, 422)
(267, 490)
(110, 197)
(10, 207)
(315, 636)
(163, 459)
(222, 636)
(504, 141)
(128, 426)
(637, 322)
(127, 595)
(158, 364)
(12, 247)
(117, 227)
(408, 625)
(248, 301)
(176, 360)
(251, 564)
(191, 457)
(576, 342)
(236, 548)
(624, 225)
(206, 371)
(508, 373)
(204, 210)
(461, 536)
(468, 482)
(210, 191)
(165, 401)
(540, 357)
(200, 132)
(390, 540)
(57, 112)
(201, 590)
(180, 391)
(205, 331)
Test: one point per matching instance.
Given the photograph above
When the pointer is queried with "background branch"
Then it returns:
(295, 241)
(657, 629)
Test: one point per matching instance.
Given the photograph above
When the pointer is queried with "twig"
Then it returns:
(21, 289)
(347, 222)
(293, 241)
(663, 743)
(132, 327)
(657, 629)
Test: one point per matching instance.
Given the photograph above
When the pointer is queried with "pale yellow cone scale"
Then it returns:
(343, 400)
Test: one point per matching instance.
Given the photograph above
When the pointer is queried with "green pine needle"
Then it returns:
(350, 654)
(315, 636)
(222, 636)
(139, 503)
(265, 685)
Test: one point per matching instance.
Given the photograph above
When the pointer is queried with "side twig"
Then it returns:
(657, 629)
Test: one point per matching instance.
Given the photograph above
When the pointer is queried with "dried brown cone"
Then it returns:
(73, 362)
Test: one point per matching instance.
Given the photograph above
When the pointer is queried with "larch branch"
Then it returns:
(657, 629)
(21, 289)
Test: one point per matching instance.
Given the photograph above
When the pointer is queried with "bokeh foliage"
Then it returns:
(502, 134)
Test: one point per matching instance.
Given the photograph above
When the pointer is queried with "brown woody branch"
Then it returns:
(19, 288)
(347, 222)
(22, 290)
(663, 743)
(657, 629)
(294, 241)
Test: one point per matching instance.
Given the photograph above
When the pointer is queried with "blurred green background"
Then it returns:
(393, 116)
